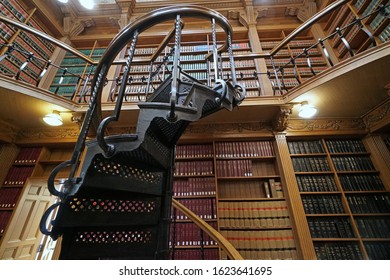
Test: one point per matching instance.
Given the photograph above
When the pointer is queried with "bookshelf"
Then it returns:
(12, 186)
(299, 71)
(51, 156)
(378, 24)
(346, 204)
(70, 79)
(23, 42)
(192, 62)
(194, 187)
(252, 211)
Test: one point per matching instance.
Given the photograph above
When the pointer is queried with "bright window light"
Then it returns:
(89, 4)
(63, 1)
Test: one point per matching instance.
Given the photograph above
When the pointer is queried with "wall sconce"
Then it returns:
(53, 119)
(306, 110)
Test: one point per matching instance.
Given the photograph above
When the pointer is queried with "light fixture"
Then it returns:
(306, 110)
(89, 4)
(63, 1)
(53, 119)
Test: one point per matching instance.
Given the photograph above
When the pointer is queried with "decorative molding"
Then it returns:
(321, 125)
(226, 128)
(378, 115)
(291, 11)
(281, 120)
(307, 11)
(73, 27)
(48, 135)
(8, 132)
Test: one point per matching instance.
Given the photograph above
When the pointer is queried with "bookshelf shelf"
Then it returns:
(348, 203)
(13, 185)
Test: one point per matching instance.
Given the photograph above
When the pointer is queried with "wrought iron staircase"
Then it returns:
(119, 205)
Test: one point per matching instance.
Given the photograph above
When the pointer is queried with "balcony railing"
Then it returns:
(286, 70)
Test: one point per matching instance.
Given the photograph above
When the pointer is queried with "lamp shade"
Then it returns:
(306, 110)
(53, 119)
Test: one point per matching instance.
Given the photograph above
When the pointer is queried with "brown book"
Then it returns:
(272, 188)
(279, 190)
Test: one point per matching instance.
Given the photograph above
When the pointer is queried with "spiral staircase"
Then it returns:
(118, 204)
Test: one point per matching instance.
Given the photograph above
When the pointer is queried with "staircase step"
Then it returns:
(120, 243)
(108, 209)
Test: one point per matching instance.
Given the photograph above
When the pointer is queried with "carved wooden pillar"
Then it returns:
(298, 217)
(249, 20)
(380, 156)
(56, 58)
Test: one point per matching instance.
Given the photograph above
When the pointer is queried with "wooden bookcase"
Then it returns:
(70, 83)
(252, 210)
(13, 184)
(299, 71)
(24, 42)
(346, 204)
(377, 24)
(192, 61)
(194, 187)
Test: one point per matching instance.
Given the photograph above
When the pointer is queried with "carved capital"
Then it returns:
(379, 115)
(307, 10)
(250, 16)
(281, 121)
(73, 27)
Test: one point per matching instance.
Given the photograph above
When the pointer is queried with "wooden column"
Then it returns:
(249, 20)
(297, 212)
(380, 156)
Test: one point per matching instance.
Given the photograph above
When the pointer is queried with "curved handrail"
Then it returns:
(52, 40)
(215, 235)
(138, 26)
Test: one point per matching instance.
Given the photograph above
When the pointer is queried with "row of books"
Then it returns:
(260, 239)
(298, 61)
(235, 168)
(66, 80)
(266, 214)
(189, 234)
(370, 227)
(254, 223)
(192, 254)
(9, 197)
(322, 204)
(205, 208)
(4, 218)
(305, 147)
(338, 251)
(17, 175)
(194, 168)
(300, 43)
(194, 186)
(268, 254)
(379, 203)
(378, 251)
(250, 189)
(352, 163)
(385, 34)
(244, 149)
(28, 155)
(310, 164)
(194, 151)
(330, 227)
(361, 182)
(316, 183)
(348, 19)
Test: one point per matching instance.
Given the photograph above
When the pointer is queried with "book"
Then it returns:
(267, 189)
